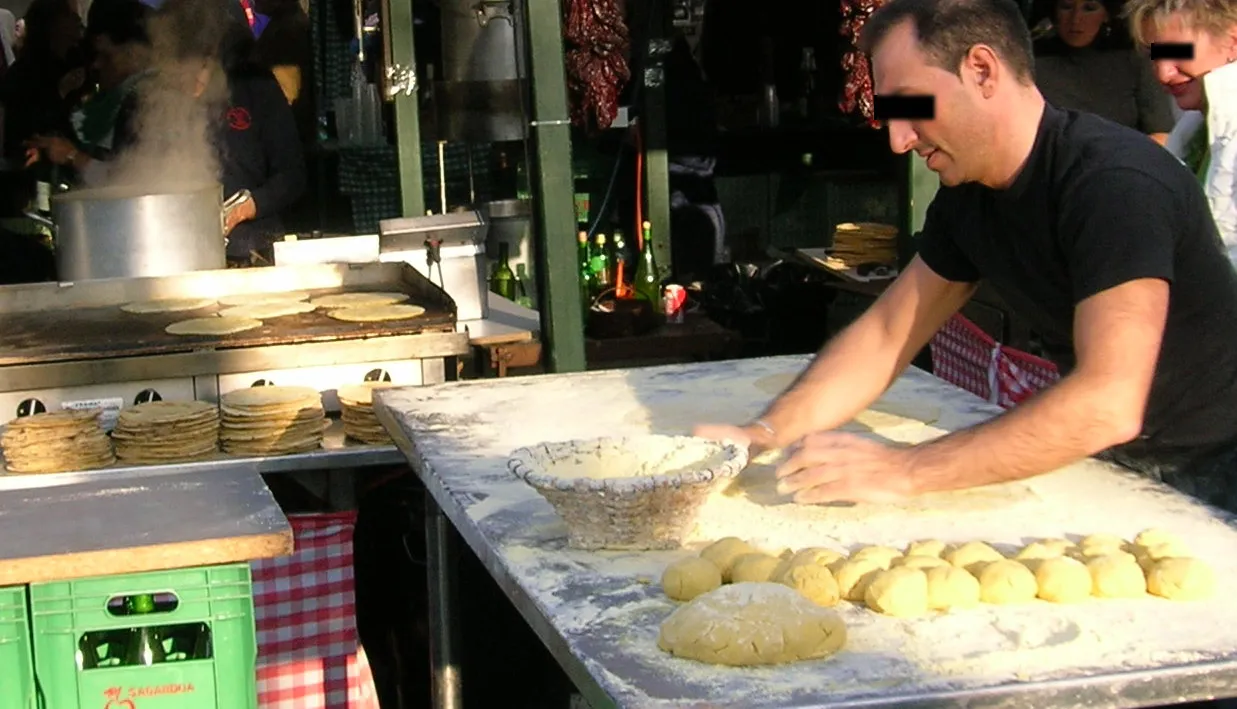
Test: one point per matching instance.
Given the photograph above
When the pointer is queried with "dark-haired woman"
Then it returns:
(1089, 64)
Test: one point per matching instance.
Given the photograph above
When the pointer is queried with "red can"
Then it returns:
(672, 299)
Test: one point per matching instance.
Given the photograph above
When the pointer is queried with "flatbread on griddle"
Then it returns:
(357, 300)
(263, 298)
(266, 311)
(212, 326)
(377, 313)
(168, 305)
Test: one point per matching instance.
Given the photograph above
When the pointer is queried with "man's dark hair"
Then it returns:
(948, 29)
(123, 22)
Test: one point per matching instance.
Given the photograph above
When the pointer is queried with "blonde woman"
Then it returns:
(1193, 44)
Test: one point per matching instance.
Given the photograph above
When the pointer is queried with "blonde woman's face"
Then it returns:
(1182, 78)
(1079, 22)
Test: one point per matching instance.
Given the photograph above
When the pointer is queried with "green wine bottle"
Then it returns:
(647, 282)
(502, 280)
(587, 282)
(145, 643)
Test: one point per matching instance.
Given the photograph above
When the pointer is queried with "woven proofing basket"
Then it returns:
(653, 506)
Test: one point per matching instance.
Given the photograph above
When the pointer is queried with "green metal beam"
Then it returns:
(653, 116)
(407, 116)
(562, 314)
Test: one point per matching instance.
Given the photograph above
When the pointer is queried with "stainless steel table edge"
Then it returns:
(441, 575)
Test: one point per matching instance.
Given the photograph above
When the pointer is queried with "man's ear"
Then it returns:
(982, 68)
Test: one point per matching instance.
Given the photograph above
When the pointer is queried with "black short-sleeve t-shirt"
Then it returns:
(1095, 206)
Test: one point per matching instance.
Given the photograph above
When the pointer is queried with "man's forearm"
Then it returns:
(1068, 422)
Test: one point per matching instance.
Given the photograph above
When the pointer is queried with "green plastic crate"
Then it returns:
(16, 668)
(221, 597)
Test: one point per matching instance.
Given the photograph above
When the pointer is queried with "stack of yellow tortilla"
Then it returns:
(56, 442)
(865, 242)
(272, 420)
(167, 432)
(356, 402)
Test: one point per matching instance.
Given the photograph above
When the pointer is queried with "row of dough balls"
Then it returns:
(930, 575)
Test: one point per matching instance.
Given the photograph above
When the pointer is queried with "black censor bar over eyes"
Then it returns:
(1171, 50)
(904, 108)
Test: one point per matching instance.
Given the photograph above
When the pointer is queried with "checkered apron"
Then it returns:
(967, 357)
(309, 654)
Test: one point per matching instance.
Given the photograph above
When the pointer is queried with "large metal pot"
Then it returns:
(131, 232)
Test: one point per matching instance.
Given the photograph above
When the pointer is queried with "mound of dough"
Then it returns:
(882, 555)
(357, 300)
(167, 305)
(1155, 536)
(212, 326)
(971, 553)
(1116, 577)
(263, 311)
(376, 313)
(901, 592)
(926, 547)
(263, 298)
(815, 582)
(1040, 550)
(1148, 556)
(951, 587)
(723, 553)
(1181, 579)
(752, 624)
(1005, 582)
(687, 578)
(1101, 541)
(753, 568)
(1062, 580)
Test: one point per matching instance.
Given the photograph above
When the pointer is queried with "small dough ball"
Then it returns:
(723, 553)
(951, 587)
(1181, 579)
(882, 555)
(1102, 541)
(1039, 550)
(752, 624)
(1005, 582)
(919, 562)
(1155, 536)
(926, 547)
(786, 553)
(819, 556)
(1116, 577)
(1063, 580)
(1061, 545)
(814, 582)
(971, 553)
(1148, 556)
(854, 575)
(901, 592)
(687, 578)
(1086, 555)
(753, 568)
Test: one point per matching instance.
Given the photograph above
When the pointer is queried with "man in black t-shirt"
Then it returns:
(1096, 235)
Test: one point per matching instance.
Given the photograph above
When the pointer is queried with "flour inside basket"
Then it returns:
(631, 457)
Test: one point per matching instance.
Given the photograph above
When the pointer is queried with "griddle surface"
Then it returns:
(101, 333)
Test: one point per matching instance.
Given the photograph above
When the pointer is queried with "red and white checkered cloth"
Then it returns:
(309, 655)
(966, 356)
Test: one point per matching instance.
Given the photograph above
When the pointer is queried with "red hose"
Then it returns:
(639, 228)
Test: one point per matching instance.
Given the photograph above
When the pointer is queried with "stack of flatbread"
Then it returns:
(272, 420)
(56, 442)
(167, 432)
(865, 242)
(357, 405)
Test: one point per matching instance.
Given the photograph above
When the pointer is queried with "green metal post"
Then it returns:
(561, 310)
(656, 158)
(407, 117)
(924, 184)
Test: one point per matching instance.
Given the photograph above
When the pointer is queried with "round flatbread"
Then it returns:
(361, 394)
(167, 305)
(357, 300)
(263, 298)
(154, 413)
(266, 311)
(377, 313)
(270, 396)
(212, 326)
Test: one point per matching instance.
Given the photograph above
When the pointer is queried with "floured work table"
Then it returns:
(102, 524)
(599, 613)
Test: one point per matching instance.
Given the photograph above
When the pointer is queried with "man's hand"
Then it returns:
(243, 212)
(57, 149)
(756, 438)
(829, 467)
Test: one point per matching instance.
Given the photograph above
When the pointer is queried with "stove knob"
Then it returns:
(263, 383)
(378, 375)
(29, 407)
(146, 396)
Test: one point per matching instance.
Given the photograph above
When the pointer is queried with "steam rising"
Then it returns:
(181, 103)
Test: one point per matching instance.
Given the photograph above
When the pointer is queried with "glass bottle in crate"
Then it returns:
(647, 283)
(145, 644)
(502, 280)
